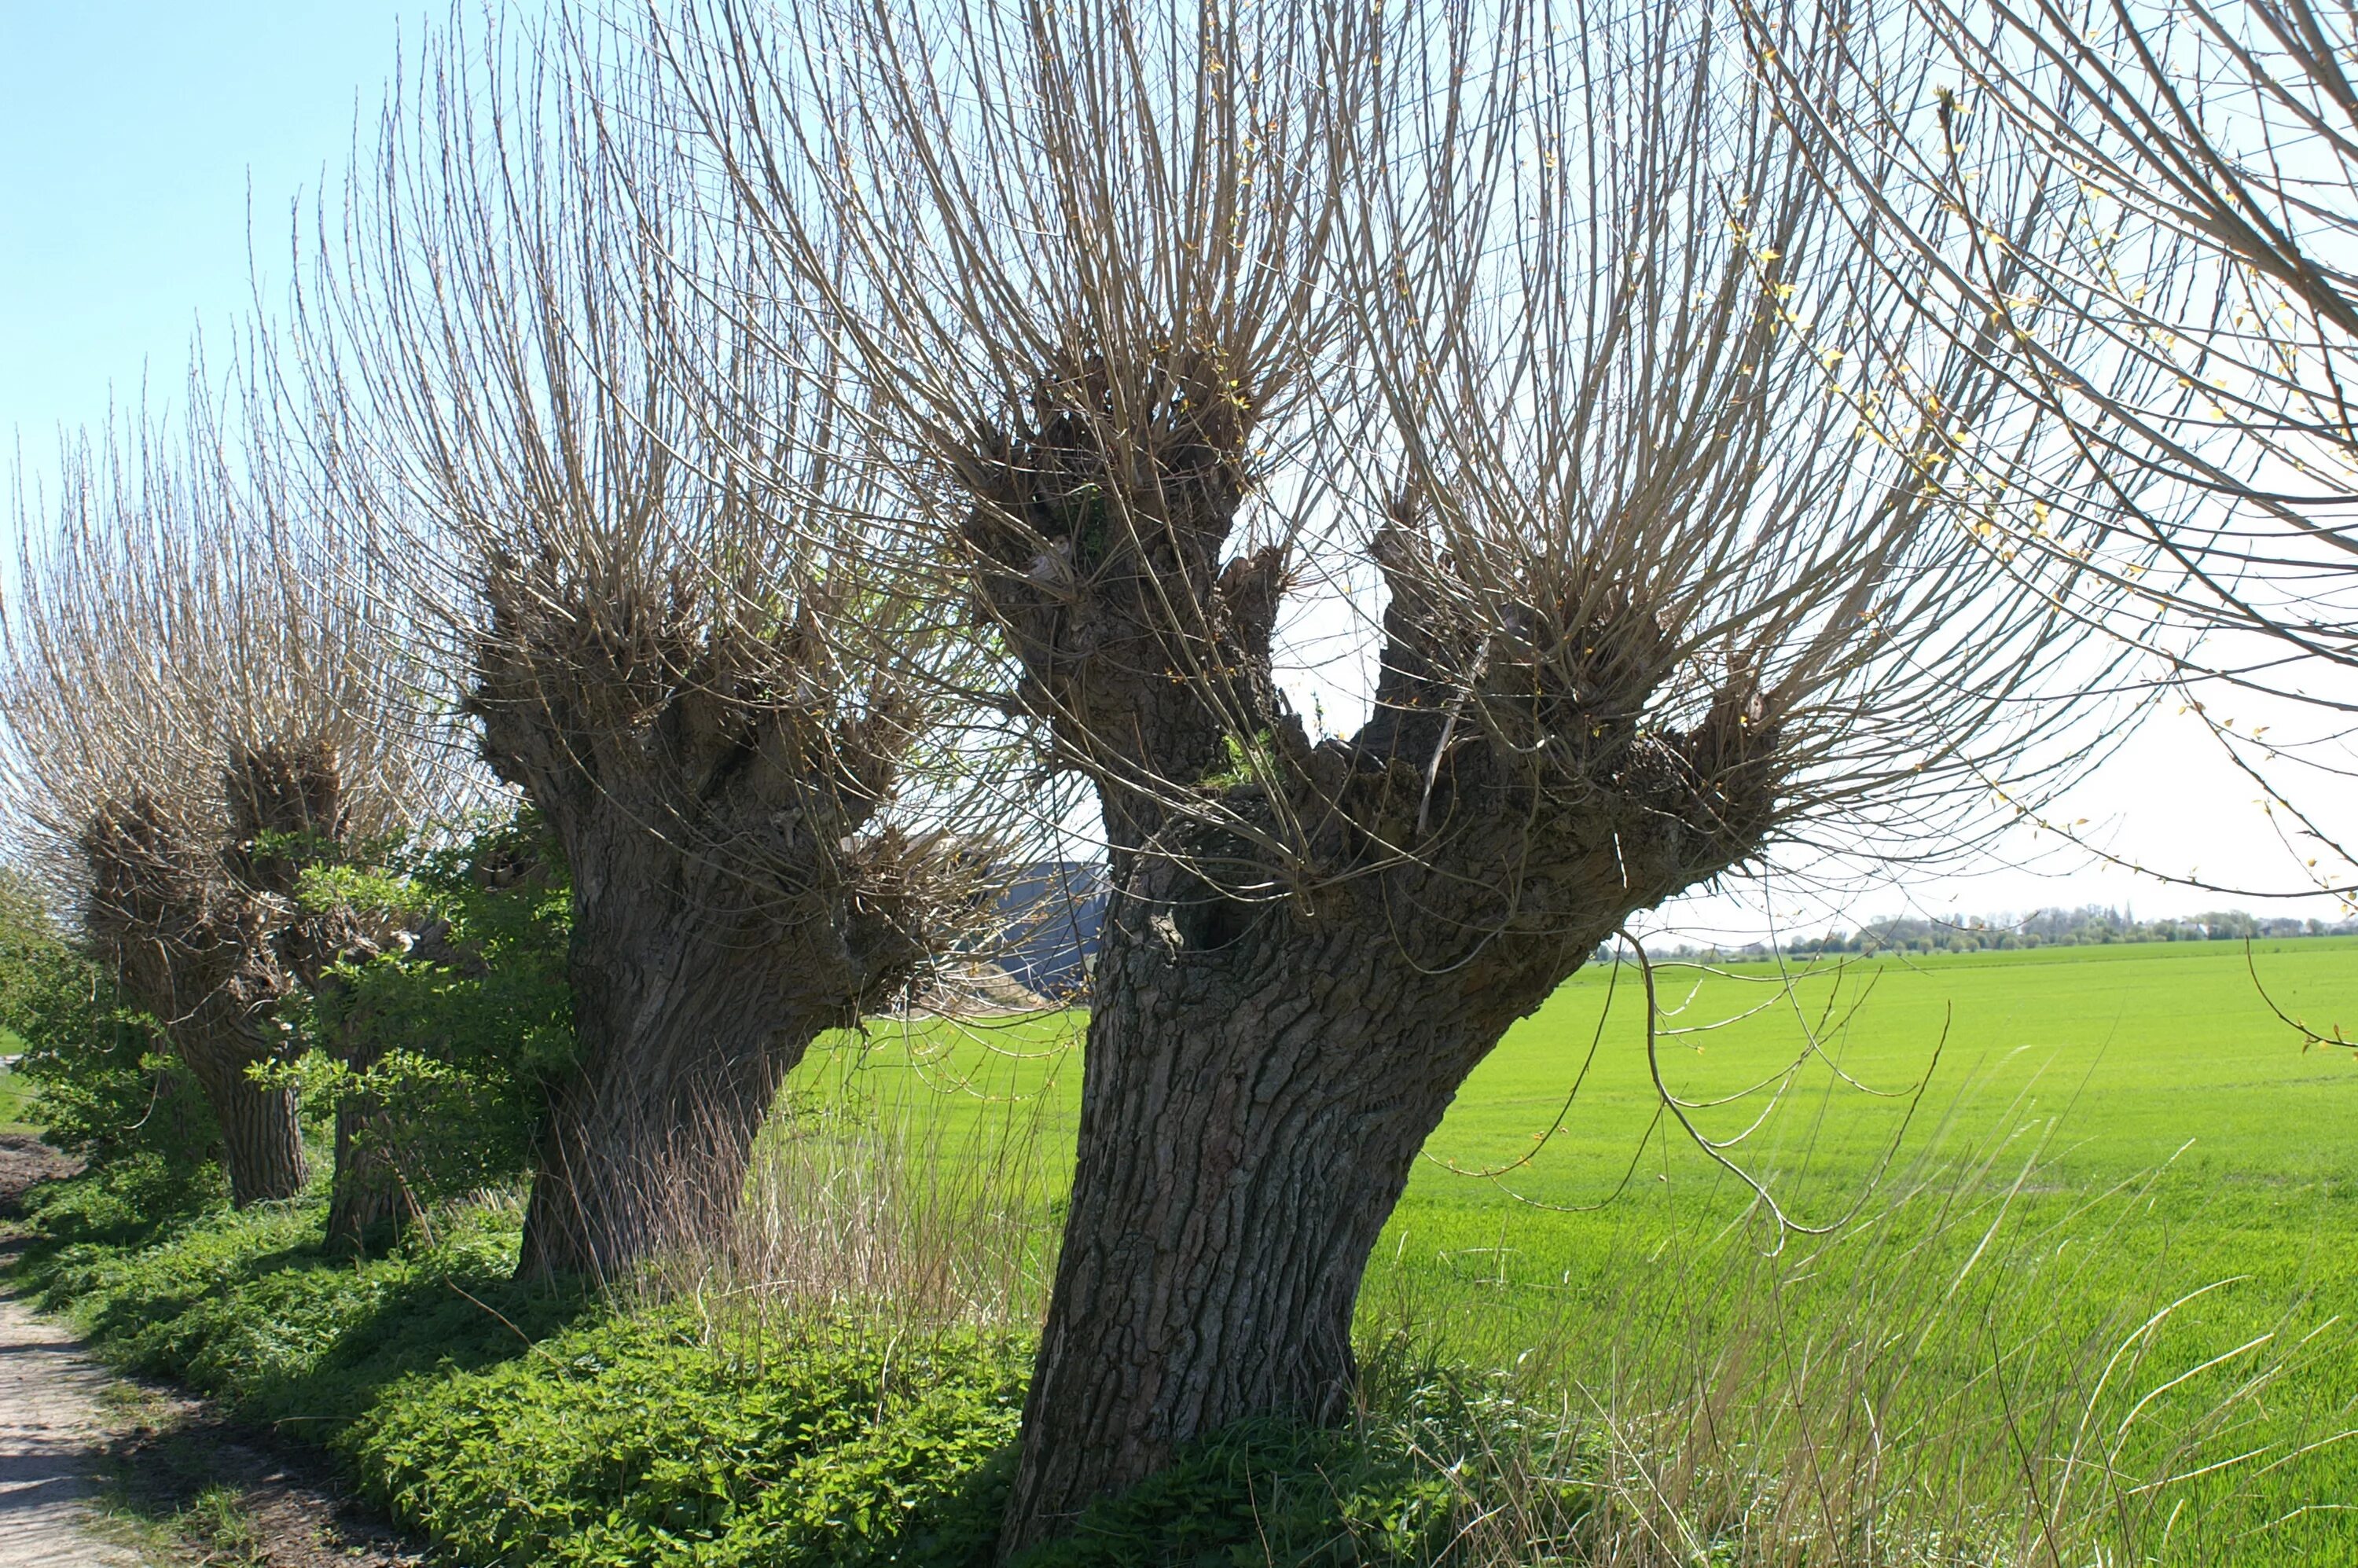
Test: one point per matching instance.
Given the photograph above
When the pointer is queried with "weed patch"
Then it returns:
(639, 1440)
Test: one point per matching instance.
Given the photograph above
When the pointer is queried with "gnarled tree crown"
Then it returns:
(204, 693)
(583, 418)
(1521, 356)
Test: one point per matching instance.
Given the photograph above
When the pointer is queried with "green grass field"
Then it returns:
(2028, 1159)
(16, 1114)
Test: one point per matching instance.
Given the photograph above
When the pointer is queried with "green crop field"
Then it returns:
(15, 1094)
(2089, 1215)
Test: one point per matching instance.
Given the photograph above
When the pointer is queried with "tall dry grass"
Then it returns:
(865, 1194)
(1955, 1378)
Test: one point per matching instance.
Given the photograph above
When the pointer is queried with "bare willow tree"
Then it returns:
(1191, 322)
(2157, 206)
(197, 712)
(578, 455)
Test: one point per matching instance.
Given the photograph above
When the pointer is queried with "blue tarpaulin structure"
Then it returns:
(1052, 910)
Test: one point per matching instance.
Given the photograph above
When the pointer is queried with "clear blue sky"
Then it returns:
(130, 132)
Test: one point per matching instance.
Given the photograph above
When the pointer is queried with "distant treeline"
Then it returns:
(2089, 925)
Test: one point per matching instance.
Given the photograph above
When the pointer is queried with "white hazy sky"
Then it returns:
(133, 132)
(2169, 798)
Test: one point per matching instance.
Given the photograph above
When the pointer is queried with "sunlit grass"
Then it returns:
(2093, 1217)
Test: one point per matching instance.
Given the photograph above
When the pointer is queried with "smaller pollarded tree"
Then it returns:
(589, 440)
(326, 766)
(199, 691)
(1512, 349)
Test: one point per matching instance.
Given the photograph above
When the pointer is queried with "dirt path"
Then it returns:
(52, 1448)
(185, 1484)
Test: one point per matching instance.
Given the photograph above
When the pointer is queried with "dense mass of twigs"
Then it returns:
(179, 626)
(1540, 330)
(591, 476)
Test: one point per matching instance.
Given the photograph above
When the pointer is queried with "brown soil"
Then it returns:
(171, 1450)
(25, 1160)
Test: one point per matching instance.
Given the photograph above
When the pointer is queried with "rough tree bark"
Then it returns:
(367, 1198)
(287, 812)
(691, 1004)
(1272, 1037)
(261, 1135)
(725, 910)
(190, 947)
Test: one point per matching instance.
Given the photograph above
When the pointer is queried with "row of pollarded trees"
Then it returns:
(768, 419)
(198, 697)
(476, 474)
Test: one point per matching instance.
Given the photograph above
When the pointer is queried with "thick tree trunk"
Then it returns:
(1309, 945)
(684, 1038)
(366, 1198)
(191, 948)
(262, 1138)
(1249, 1116)
(727, 904)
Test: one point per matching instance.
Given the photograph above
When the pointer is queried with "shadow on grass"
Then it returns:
(183, 1478)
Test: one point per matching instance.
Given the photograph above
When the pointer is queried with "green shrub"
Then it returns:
(247, 1307)
(453, 1038)
(635, 1441)
(108, 1092)
(124, 1202)
(1436, 1447)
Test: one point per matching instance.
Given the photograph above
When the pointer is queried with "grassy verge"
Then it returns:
(2089, 1304)
(512, 1426)
(19, 1107)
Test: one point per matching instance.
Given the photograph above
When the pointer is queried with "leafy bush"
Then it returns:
(122, 1201)
(638, 1441)
(108, 1092)
(452, 1036)
(1437, 1447)
(245, 1306)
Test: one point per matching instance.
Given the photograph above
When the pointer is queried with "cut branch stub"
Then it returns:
(1099, 523)
(286, 809)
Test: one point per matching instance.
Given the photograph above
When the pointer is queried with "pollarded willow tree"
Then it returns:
(1183, 320)
(2158, 207)
(580, 454)
(202, 706)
